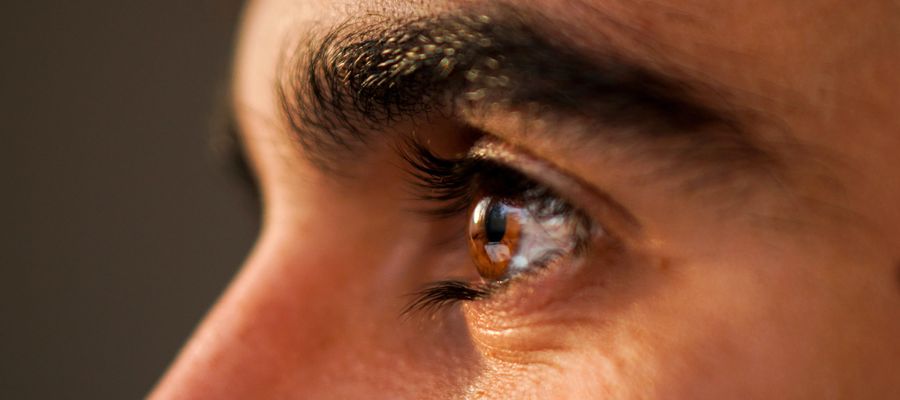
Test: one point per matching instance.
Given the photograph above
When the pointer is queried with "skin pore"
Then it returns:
(744, 246)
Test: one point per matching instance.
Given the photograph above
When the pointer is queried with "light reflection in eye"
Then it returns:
(507, 238)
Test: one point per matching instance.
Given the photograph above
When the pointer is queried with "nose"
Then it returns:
(260, 337)
(305, 320)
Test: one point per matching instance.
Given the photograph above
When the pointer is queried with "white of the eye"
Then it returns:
(518, 262)
(540, 237)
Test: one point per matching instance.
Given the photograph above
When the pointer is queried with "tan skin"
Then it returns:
(793, 292)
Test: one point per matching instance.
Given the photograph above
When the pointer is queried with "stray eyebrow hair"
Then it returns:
(365, 75)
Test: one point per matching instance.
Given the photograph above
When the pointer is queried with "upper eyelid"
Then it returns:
(452, 187)
(580, 194)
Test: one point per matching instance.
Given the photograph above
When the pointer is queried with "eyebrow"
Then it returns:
(364, 75)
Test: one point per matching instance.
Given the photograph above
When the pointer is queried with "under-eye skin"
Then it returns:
(515, 228)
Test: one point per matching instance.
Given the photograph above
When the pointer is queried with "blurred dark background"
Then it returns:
(120, 227)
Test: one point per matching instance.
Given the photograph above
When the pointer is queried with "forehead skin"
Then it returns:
(820, 77)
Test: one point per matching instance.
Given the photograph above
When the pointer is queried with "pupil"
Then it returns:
(495, 223)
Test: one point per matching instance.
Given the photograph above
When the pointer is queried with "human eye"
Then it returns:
(514, 214)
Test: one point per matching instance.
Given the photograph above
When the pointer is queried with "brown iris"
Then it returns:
(509, 237)
(495, 231)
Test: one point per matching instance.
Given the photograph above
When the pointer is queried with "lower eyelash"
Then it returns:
(442, 294)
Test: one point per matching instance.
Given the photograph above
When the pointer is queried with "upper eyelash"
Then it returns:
(443, 180)
(454, 182)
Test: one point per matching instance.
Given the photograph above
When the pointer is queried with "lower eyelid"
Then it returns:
(534, 284)
(524, 296)
(557, 282)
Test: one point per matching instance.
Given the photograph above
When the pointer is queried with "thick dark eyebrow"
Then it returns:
(363, 76)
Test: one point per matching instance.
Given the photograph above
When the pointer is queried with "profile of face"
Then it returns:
(563, 200)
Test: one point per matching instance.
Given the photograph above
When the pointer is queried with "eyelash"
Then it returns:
(451, 185)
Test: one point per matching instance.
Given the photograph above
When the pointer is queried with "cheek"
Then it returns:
(755, 330)
(576, 331)
(660, 330)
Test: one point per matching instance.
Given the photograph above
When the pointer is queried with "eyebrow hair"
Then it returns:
(365, 75)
